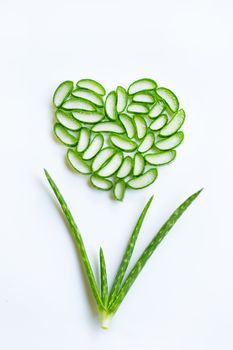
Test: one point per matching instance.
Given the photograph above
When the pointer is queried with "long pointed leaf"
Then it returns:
(103, 278)
(78, 239)
(149, 251)
(127, 255)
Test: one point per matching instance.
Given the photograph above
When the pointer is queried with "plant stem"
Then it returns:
(79, 241)
(105, 319)
(106, 308)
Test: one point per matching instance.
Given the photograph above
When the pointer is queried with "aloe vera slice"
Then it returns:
(62, 92)
(77, 163)
(89, 95)
(84, 140)
(156, 109)
(169, 97)
(78, 103)
(123, 143)
(101, 183)
(64, 136)
(111, 105)
(102, 157)
(159, 122)
(94, 147)
(174, 125)
(111, 166)
(88, 117)
(137, 108)
(171, 142)
(143, 97)
(68, 121)
(91, 84)
(141, 85)
(119, 190)
(161, 157)
(108, 127)
(125, 168)
(139, 164)
(122, 99)
(128, 125)
(147, 143)
(141, 127)
(143, 180)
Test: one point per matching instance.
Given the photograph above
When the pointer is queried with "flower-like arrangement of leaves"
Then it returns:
(119, 138)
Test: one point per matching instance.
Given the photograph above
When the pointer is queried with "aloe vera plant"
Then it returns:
(108, 301)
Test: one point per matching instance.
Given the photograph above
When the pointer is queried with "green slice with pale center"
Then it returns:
(143, 180)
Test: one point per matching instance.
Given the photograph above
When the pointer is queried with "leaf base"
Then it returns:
(105, 319)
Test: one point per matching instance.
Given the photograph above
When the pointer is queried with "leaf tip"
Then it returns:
(152, 197)
(149, 201)
(199, 191)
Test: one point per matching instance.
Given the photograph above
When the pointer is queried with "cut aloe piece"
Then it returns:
(161, 157)
(156, 109)
(64, 136)
(89, 95)
(93, 85)
(77, 163)
(68, 121)
(137, 108)
(101, 183)
(119, 190)
(139, 164)
(122, 99)
(171, 142)
(144, 97)
(159, 122)
(141, 127)
(112, 165)
(84, 140)
(102, 157)
(143, 180)
(174, 125)
(147, 142)
(108, 127)
(125, 168)
(88, 117)
(78, 103)
(169, 97)
(128, 125)
(111, 105)
(141, 85)
(62, 92)
(123, 143)
(94, 147)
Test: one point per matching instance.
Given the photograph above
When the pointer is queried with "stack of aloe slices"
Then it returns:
(119, 139)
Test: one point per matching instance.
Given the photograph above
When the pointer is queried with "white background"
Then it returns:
(183, 298)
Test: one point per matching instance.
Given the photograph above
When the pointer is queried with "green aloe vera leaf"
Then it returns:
(103, 278)
(127, 255)
(79, 242)
(149, 251)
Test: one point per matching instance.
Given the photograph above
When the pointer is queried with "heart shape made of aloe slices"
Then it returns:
(118, 138)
